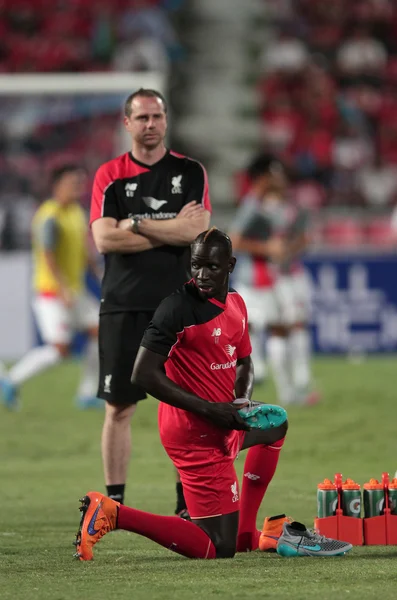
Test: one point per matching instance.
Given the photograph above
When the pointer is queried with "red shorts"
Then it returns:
(208, 476)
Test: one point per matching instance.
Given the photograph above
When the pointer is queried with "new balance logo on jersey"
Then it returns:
(153, 202)
(230, 349)
(106, 387)
(234, 491)
(251, 476)
(176, 184)
(130, 189)
(216, 334)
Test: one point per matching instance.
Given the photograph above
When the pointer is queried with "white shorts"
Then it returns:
(293, 293)
(285, 303)
(58, 324)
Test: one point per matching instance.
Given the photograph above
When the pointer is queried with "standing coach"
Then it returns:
(148, 205)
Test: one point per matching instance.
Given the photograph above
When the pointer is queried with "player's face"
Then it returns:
(211, 267)
(147, 123)
(71, 187)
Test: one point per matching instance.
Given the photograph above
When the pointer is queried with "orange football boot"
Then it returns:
(272, 529)
(99, 517)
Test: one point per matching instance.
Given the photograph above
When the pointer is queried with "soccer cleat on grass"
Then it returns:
(99, 517)
(9, 394)
(296, 540)
(261, 416)
(272, 529)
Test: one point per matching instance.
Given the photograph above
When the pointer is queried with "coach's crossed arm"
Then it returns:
(109, 236)
(181, 231)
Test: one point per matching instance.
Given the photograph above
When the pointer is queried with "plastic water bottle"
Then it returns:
(374, 498)
(392, 491)
(327, 499)
(351, 499)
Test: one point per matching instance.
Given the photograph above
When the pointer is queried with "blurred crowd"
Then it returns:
(39, 36)
(328, 89)
(326, 78)
(38, 133)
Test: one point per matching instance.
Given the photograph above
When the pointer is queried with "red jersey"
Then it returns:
(203, 340)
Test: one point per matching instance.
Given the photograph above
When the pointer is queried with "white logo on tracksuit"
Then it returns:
(106, 387)
(130, 189)
(176, 184)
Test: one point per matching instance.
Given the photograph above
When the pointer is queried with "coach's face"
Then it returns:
(147, 122)
(211, 267)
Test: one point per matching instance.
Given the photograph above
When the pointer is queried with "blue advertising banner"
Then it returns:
(354, 303)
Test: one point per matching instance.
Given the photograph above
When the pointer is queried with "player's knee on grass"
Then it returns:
(225, 546)
(222, 531)
(225, 549)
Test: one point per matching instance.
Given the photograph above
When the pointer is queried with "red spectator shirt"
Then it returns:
(124, 187)
(202, 340)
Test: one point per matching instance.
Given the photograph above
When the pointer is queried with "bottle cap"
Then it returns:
(373, 484)
(327, 484)
(350, 484)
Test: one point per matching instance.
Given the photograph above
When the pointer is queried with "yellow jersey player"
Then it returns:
(61, 303)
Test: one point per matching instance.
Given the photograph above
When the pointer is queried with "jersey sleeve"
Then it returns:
(244, 348)
(197, 185)
(166, 327)
(103, 199)
(47, 235)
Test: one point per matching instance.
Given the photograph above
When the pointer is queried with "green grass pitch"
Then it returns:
(50, 456)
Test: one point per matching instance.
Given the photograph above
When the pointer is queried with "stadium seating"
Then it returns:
(308, 107)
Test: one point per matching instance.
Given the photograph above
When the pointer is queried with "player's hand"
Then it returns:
(67, 297)
(190, 210)
(225, 416)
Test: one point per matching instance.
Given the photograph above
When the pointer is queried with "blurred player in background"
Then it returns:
(62, 305)
(147, 206)
(271, 234)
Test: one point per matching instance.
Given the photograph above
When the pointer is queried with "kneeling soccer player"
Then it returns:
(195, 358)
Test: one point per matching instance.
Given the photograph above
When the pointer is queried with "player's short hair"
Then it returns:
(143, 93)
(59, 172)
(263, 164)
(215, 237)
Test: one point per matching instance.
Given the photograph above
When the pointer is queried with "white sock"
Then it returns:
(257, 354)
(36, 360)
(277, 351)
(88, 386)
(299, 347)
